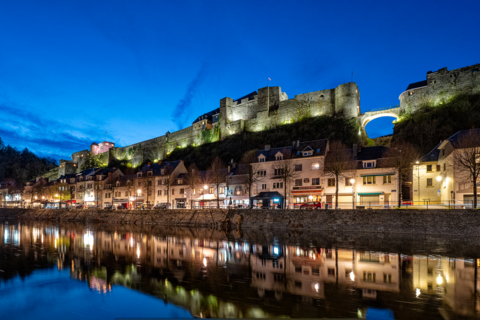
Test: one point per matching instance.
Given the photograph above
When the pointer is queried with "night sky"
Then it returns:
(71, 70)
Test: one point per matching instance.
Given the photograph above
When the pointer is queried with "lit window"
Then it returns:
(387, 179)
(369, 180)
(316, 166)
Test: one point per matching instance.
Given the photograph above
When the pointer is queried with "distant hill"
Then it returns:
(22, 166)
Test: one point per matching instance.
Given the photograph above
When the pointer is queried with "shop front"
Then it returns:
(236, 201)
(268, 200)
(180, 203)
(301, 195)
(119, 202)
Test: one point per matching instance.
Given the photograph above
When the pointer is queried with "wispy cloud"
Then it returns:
(47, 137)
(184, 105)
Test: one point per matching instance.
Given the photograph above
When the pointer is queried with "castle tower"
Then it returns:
(347, 100)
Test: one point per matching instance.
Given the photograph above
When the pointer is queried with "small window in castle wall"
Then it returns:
(322, 96)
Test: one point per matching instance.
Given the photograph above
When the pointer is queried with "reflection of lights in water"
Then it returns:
(5, 235)
(236, 246)
(417, 292)
(316, 287)
(245, 247)
(131, 242)
(138, 251)
(352, 276)
(275, 250)
(298, 252)
(42, 237)
(88, 240)
(205, 262)
(439, 280)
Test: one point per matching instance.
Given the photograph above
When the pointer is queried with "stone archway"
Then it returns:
(364, 118)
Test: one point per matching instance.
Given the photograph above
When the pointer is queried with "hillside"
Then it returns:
(233, 147)
(21, 166)
(428, 125)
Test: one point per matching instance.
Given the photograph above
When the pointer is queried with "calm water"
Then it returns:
(74, 271)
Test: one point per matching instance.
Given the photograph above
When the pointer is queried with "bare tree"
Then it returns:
(400, 157)
(192, 179)
(167, 181)
(466, 159)
(285, 170)
(338, 161)
(147, 185)
(217, 175)
(252, 176)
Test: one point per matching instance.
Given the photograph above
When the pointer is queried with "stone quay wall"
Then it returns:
(452, 222)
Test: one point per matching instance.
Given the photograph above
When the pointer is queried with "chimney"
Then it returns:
(355, 150)
(231, 161)
(267, 147)
(359, 149)
(228, 169)
(298, 143)
(149, 163)
(160, 162)
(38, 178)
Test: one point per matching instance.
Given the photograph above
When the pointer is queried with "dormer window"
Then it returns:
(279, 156)
(149, 173)
(369, 164)
(163, 172)
(180, 181)
(118, 183)
(139, 175)
(307, 153)
(261, 158)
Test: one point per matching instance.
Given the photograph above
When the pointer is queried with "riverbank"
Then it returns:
(452, 222)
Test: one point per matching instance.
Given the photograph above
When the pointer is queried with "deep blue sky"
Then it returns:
(71, 70)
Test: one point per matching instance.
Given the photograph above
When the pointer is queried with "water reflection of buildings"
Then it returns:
(206, 274)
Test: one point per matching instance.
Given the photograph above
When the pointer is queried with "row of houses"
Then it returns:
(372, 180)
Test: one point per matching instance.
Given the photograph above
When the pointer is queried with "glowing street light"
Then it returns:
(352, 181)
(439, 178)
(204, 187)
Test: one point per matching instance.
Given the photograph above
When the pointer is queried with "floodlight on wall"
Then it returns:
(439, 178)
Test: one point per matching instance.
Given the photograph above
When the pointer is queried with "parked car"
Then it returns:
(311, 205)
(160, 206)
(110, 207)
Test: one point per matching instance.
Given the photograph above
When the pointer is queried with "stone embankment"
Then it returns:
(459, 222)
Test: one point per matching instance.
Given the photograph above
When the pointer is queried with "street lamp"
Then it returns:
(204, 187)
(139, 191)
(352, 181)
(418, 180)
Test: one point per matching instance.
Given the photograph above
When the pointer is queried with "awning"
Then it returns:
(267, 195)
(377, 175)
(369, 193)
(300, 192)
(339, 194)
(181, 199)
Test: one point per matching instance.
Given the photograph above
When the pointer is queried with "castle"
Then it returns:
(270, 107)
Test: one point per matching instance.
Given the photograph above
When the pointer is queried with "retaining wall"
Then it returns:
(460, 222)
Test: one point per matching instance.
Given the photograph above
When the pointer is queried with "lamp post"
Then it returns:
(352, 181)
(418, 180)
(205, 190)
(138, 192)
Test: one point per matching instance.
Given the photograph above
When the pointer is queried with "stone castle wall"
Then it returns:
(440, 222)
(441, 86)
(265, 110)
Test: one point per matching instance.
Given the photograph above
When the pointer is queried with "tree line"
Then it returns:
(21, 166)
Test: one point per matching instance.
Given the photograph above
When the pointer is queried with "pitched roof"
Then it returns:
(432, 155)
(267, 195)
(417, 85)
(207, 115)
(457, 139)
(250, 96)
(371, 153)
(157, 167)
(318, 146)
(270, 154)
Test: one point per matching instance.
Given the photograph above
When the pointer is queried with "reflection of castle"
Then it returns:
(206, 273)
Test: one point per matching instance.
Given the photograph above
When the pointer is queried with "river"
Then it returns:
(54, 270)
